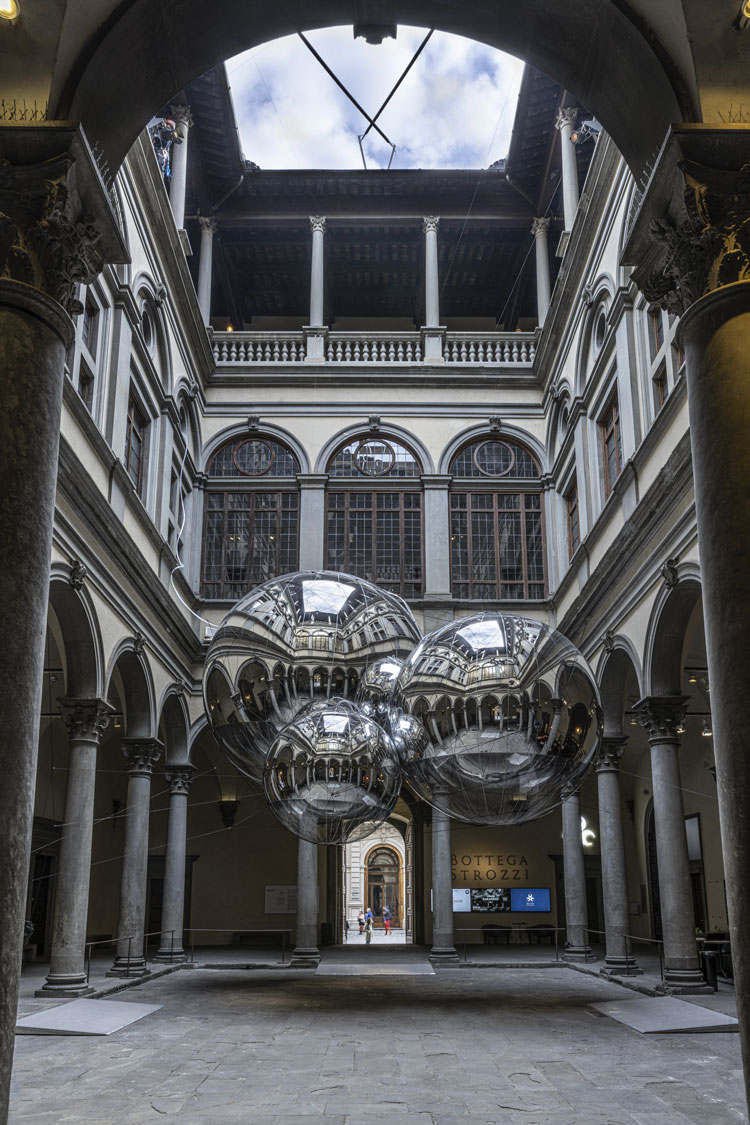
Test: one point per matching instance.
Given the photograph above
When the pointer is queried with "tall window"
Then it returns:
(574, 528)
(251, 522)
(497, 537)
(374, 517)
(611, 444)
(135, 437)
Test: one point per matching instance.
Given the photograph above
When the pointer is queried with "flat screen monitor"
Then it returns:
(531, 900)
(461, 900)
(490, 900)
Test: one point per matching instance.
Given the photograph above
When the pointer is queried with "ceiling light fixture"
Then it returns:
(9, 9)
(743, 16)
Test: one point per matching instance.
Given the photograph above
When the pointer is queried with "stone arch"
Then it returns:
(398, 433)
(174, 45)
(601, 296)
(561, 403)
(129, 676)
(277, 433)
(507, 430)
(174, 725)
(150, 300)
(615, 669)
(77, 621)
(665, 637)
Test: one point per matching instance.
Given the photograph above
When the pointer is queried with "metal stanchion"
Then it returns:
(127, 967)
(88, 963)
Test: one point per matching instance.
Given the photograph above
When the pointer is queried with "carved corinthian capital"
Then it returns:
(661, 716)
(57, 223)
(85, 719)
(691, 233)
(141, 755)
(178, 779)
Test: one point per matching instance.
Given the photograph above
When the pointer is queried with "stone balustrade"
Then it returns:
(460, 349)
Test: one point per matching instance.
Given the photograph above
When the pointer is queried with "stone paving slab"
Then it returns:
(666, 1014)
(85, 1017)
(362, 969)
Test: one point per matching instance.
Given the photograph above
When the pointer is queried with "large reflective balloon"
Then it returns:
(300, 638)
(510, 712)
(331, 774)
(376, 686)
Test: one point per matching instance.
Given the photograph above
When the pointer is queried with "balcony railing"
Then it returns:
(459, 349)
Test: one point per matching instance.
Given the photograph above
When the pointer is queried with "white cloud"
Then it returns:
(455, 108)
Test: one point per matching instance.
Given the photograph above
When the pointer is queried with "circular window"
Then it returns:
(147, 326)
(253, 458)
(494, 458)
(599, 329)
(374, 457)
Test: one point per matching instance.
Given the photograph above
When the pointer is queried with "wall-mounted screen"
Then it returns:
(530, 900)
(490, 900)
(461, 900)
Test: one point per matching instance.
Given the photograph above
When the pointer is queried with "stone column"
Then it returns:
(565, 124)
(317, 270)
(58, 228)
(432, 334)
(141, 755)
(306, 955)
(539, 229)
(205, 266)
(178, 779)
(576, 916)
(312, 514)
(86, 720)
(619, 956)
(183, 119)
(437, 556)
(443, 948)
(660, 715)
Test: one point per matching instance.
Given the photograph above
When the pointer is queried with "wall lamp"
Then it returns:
(9, 9)
(588, 130)
(743, 16)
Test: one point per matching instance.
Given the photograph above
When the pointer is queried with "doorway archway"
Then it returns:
(384, 884)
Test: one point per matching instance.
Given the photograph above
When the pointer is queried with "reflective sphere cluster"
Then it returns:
(319, 687)
(510, 715)
(281, 685)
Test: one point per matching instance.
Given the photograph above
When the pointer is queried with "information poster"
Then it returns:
(462, 900)
(281, 900)
(490, 900)
(535, 899)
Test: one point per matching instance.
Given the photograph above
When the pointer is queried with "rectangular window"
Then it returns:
(655, 331)
(90, 325)
(249, 537)
(660, 388)
(497, 546)
(377, 536)
(574, 530)
(678, 361)
(611, 445)
(86, 386)
(135, 436)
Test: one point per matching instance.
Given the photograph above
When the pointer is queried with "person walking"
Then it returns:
(369, 916)
(361, 922)
(387, 920)
(368, 929)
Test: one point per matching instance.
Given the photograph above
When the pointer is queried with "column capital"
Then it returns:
(85, 719)
(183, 118)
(661, 715)
(566, 116)
(318, 223)
(436, 482)
(312, 482)
(609, 754)
(689, 235)
(208, 223)
(141, 755)
(430, 223)
(540, 226)
(59, 225)
(568, 790)
(178, 779)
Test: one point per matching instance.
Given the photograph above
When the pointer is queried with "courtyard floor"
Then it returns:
(488, 1045)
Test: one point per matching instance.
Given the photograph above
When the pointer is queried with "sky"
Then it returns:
(455, 108)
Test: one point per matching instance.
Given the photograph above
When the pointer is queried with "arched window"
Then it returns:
(374, 514)
(251, 516)
(497, 525)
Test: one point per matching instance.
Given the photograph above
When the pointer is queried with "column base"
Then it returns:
(170, 957)
(74, 984)
(136, 967)
(687, 981)
(303, 958)
(579, 955)
(621, 966)
(443, 955)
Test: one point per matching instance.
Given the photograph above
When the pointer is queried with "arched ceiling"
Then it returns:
(638, 64)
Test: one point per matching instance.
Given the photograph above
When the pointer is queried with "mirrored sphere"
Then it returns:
(376, 686)
(511, 718)
(331, 774)
(300, 638)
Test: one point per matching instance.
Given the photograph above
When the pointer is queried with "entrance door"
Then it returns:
(384, 884)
